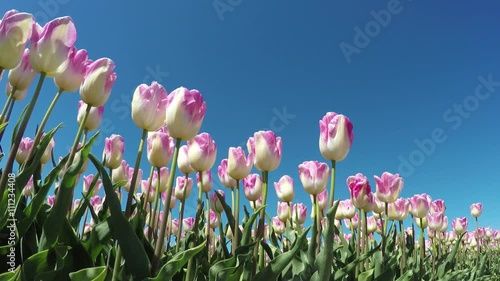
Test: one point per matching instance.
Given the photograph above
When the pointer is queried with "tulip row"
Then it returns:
(97, 237)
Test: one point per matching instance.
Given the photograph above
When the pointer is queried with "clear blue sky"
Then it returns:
(256, 58)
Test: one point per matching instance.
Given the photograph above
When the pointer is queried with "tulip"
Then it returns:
(388, 187)
(278, 226)
(336, 136)
(283, 211)
(130, 175)
(348, 208)
(224, 177)
(17, 95)
(15, 31)
(398, 210)
(70, 74)
(214, 219)
(160, 148)
(284, 189)
(352, 223)
(459, 225)
(87, 182)
(421, 222)
(148, 106)
(323, 200)
(163, 179)
(188, 224)
(360, 191)
(29, 188)
(207, 181)
(238, 165)
(98, 81)
(148, 191)
(24, 150)
(183, 161)
(252, 185)
(94, 117)
(444, 225)
(173, 200)
(47, 154)
(314, 176)
(120, 173)
(183, 189)
(371, 222)
(299, 213)
(202, 151)
(175, 225)
(476, 209)
(114, 147)
(437, 206)
(21, 77)
(256, 204)
(378, 207)
(184, 113)
(435, 221)
(215, 203)
(420, 204)
(51, 44)
(267, 149)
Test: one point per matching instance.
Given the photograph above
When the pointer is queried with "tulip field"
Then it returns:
(58, 222)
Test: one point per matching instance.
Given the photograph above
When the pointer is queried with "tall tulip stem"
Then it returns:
(128, 207)
(10, 100)
(332, 183)
(236, 218)
(163, 226)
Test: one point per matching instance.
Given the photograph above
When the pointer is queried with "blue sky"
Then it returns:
(252, 59)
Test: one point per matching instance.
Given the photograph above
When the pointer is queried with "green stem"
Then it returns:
(318, 222)
(118, 260)
(128, 210)
(192, 262)
(13, 151)
(7, 105)
(74, 147)
(262, 218)
(150, 181)
(332, 184)
(85, 134)
(208, 218)
(161, 239)
(422, 248)
(384, 219)
(403, 248)
(44, 122)
(477, 242)
(236, 218)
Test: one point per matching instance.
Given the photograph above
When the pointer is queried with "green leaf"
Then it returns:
(10, 275)
(324, 261)
(137, 261)
(247, 231)
(276, 266)
(349, 268)
(447, 265)
(367, 276)
(90, 274)
(229, 214)
(177, 263)
(232, 268)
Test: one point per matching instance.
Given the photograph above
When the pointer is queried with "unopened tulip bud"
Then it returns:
(459, 225)
(98, 81)
(162, 181)
(25, 147)
(421, 222)
(160, 148)
(187, 224)
(175, 226)
(371, 222)
(185, 112)
(388, 187)
(215, 202)
(224, 178)
(114, 147)
(314, 176)
(87, 182)
(360, 191)
(267, 149)
(21, 76)
(444, 225)
(183, 161)
(93, 119)
(15, 31)
(284, 211)
(437, 206)
(214, 219)
(299, 213)
(207, 181)
(47, 154)
(284, 189)
(323, 200)
(420, 204)
(238, 165)
(148, 191)
(120, 173)
(202, 152)
(378, 206)
(183, 188)
(278, 226)
(148, 106)
(336, 136)
(476, 209)
(29, 188)
(252, 187)
(17, 95)
(256, 204)
(435, 221)
(130, 176)
(51, 44)
(70, 74)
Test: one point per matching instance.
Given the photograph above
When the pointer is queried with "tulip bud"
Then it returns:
(160, 148)
(148, 191)
(352, 223)
(224, 178)
(378, 206)
(399, 209)
(371, 222)
(238, 165)
(421, 222)
(47, 154)
(347, 208)
(215, 203)
(185, 112)
(256, 204)
(207, 181)
(284, 189)
(284, 211)
(87, 182)
(148, 106)
(51, 44)
(94, 118)
(202, 151)
(444, 225)
(323, 200)
(476, 209)
(120, 173)
(187, 224)
(459, 225)
(17, 95)
(15, 31)
(278, 226)
(360, 191)
(314, 176)
(25, 147)
(114, 147)
(214, 219)
(70, 74)
(183, 161)
(163, 179)
(173, 200)
(388, 187)
(130, 176)
(29, 188)
(267, 149)
(98, 81)
(437, 206)
(175, 226)
(420, 204)
(183, 188)
(435, 221)
(252, 187)
(336, 136)
(299, 213)
(21, 76)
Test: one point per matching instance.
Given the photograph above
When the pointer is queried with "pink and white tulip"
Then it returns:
(114, 147)
(266, 148)
(459, 225)
(120, 173)
(98, 82)
(437, 206)
(278, 226)
(70, 74)
(208, 182)
(284, 211)
(202, 152)
(184, 113)
(23, 152)
(476, 209)
(238, 165)
(388, 187)
(163, 179)
(87, 182)
(21, 76)
(360, 191)
(183, 161)
(182, 188)
(94, 117)
(336, 136)
(299, 213)
(399, 209)
(224, 177)
(160, 148)
(420, 205)
(148, 106)
(252, 187)
(15, 31)
(314, 176)
(215, 203)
